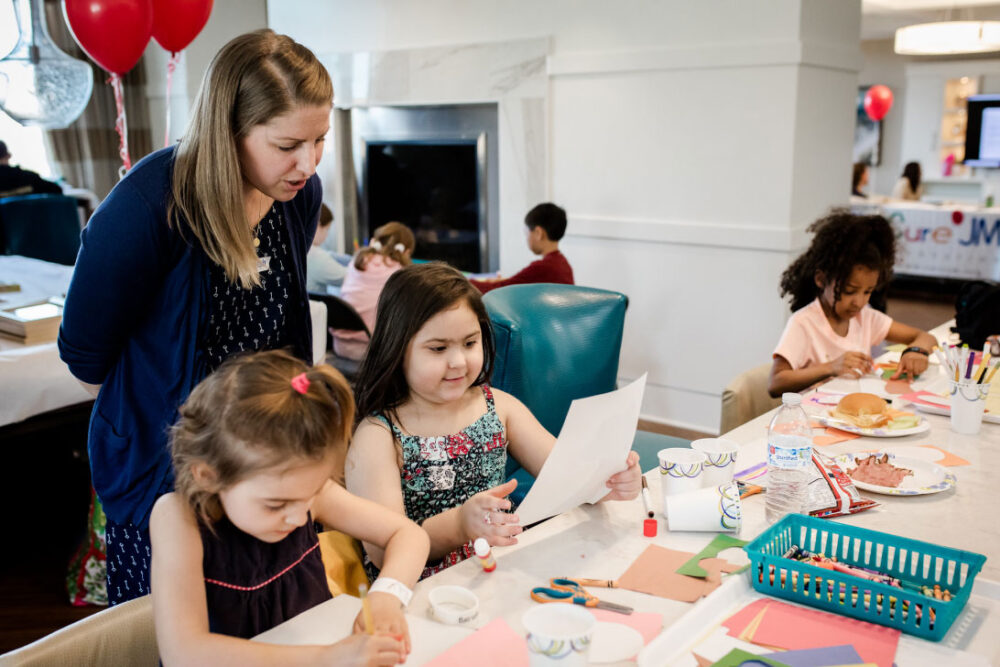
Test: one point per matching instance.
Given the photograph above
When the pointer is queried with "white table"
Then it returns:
(601, 541)
(33, 379)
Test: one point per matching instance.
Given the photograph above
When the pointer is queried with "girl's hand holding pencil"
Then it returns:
(382, 618)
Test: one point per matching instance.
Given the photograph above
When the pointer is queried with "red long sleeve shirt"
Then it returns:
(551, 268)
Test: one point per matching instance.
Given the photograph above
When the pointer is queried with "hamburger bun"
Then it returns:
(863, 410)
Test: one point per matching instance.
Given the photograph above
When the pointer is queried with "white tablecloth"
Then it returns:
(960, 242)
(33, 379)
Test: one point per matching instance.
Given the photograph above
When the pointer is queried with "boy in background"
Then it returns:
(546, 224)
(322, 268)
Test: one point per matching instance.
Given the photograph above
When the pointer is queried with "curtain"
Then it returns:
(86, 152)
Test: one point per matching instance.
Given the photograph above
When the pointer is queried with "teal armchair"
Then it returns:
(557, 343)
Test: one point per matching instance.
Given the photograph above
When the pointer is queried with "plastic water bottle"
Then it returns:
(789, 456)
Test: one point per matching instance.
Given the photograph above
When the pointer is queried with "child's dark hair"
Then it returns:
(911, 172)
(841, 241)
(391, 240)
(325, 215)
(249, 415)
(857, 171)
(410, 297)
(549, 217)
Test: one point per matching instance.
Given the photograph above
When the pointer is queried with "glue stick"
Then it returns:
(484, 555)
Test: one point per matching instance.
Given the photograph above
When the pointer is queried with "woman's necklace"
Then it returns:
(256, 229)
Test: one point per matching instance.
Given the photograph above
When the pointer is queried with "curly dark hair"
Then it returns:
(841, 241)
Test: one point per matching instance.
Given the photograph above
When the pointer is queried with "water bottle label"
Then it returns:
(789, 456)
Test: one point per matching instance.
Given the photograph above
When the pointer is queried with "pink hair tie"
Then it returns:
(300, 383)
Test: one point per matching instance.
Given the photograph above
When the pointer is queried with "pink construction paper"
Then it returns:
(789, 627)
(648, 625)
(495, 643)
(741, 619)
(503, 646)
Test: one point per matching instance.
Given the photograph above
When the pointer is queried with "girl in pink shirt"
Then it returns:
(388, 251)
(832, 329)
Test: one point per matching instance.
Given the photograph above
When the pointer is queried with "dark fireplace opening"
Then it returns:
(432, 187)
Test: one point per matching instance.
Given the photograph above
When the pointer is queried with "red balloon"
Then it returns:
(177, 22)
(114, 33)
(878, 101)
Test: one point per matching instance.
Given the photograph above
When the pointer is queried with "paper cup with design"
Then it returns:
(558, 634)
(711, 509)
(681, 470)
(968, 402)
(720, 463)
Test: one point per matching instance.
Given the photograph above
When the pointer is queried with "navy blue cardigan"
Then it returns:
(135, 311)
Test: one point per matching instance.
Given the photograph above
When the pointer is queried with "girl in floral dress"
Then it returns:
(434, 436)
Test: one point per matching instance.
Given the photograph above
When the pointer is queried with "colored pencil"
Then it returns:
(366, 609)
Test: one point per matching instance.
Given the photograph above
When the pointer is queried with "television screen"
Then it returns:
(982, 134)
(433, 189)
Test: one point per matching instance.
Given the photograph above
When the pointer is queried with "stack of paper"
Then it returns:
(32, 323)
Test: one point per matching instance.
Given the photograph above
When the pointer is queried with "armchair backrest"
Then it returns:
(555, 343)
(45, 227)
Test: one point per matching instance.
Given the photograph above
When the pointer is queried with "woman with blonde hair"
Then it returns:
(389, 250)
(196, 255)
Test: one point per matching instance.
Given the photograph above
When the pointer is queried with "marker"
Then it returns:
(483, 553)
(968, 368)
(645, 498)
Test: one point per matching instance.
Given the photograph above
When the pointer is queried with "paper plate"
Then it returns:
(882, 432)
(614, 642)
(927, 477)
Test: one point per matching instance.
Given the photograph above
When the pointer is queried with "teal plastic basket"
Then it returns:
(913, 562)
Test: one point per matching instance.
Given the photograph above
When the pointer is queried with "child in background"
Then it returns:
(546, 224)
(434, 436)
(389, 250)
(321, 267)
(234, 548)
(832, 328)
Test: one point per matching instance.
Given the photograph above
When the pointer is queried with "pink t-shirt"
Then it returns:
(361, 289)
(809, 339)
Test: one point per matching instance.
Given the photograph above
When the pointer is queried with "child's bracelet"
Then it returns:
(392, 587)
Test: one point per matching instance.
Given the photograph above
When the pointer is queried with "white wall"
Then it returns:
(228, 19)
(690, 142)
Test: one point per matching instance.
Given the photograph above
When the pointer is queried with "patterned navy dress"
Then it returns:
(441, 472)
(252, 319)
(252, 586)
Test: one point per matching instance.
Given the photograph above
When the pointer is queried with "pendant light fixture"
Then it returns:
(945, 38)
(40, 85)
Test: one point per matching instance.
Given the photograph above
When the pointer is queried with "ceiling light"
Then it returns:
(948, 37)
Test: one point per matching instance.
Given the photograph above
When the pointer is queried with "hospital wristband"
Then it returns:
(392, 587)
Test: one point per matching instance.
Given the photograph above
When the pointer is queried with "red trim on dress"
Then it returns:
(264, 583)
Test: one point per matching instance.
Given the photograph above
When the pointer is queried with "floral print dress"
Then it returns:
(442, 472)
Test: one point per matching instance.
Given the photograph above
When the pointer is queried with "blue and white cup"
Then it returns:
(681, 470)
(720, 461)
(558, 634)
(711, 509)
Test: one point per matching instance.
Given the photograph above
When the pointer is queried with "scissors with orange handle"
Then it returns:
(570, 591)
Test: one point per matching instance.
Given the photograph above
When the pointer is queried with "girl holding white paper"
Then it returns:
(434, 436)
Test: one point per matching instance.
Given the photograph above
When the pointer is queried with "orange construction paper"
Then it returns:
(832, 436)
(949, 458)
(898, 386)
(654, 573)
(791, 627)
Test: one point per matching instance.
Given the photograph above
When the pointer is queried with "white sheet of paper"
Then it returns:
(592, 446)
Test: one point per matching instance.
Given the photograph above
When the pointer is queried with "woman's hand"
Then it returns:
(361, 650)
(387, 617)
(854, 364)
(627, 484)
(912, 364)
(481, 516)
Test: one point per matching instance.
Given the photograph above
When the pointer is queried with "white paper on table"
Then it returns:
(592, 446)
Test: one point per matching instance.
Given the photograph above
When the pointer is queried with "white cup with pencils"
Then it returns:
(968, 385)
